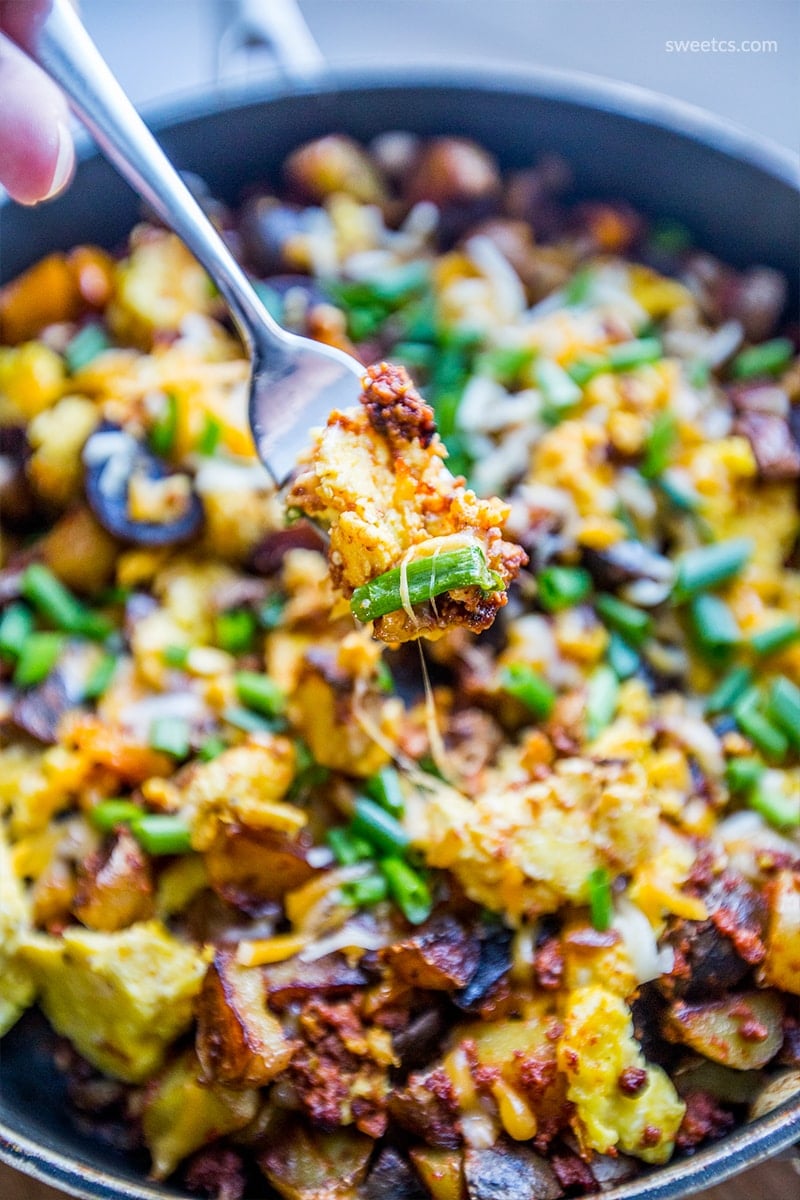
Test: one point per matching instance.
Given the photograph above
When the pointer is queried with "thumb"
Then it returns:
(37, 156)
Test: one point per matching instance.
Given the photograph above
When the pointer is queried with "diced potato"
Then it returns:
(596, 1047)
(249, 867)
(16, 983)
(57, 437)
(239, 1042)
(310, 1165)
(80, 552)
(777, 1091)
(518, 1051)
(742, 1031)
(334, 734)
(31, 380)
(441, 1171)
(246, 785)
(42, 295)
(157, 287)
(115, 886)
(183, 1113)
(781, 966)
(138, 985)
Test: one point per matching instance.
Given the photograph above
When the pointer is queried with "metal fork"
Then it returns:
(294, 382)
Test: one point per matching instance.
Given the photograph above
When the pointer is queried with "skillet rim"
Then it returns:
(752, 1143)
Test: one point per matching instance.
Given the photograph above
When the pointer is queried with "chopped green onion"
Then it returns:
(424, 579)
(414, 355)
(658, 445)
(622, 658)
(211, 748)
(626, 355)
(579, 286)
(162, 833)
(741, 774)
(583, 370)
(559, 390)
(270, 614)
(58, 605)
(235, 630)
(378, 827)
(601, 902)
(450, 374)
(15, 626)
(776, 638)
(37, 657)
(783, 708)
(769, 358)
(765, 736)
(170, 735)
(363, 893)
(679, 494)
(176, 656)
(106, 815)
(408, 889)
(384, 789)
(698, 373)
(248, 721)
(714, 625)
(670, 236)
(729, 690)
(601, 700)
(209, 436)
(531, 688)
(769, 797)
(384, 678)
(505, 363)
(634, 625)
(100, 678)
(561, 587)
(84, 347)
(259, 693)
(348, 847)
(164, 429)
(707, 567)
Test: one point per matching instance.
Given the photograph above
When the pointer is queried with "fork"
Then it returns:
(294, 381)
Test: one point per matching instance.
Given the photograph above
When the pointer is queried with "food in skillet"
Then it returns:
(291, 919)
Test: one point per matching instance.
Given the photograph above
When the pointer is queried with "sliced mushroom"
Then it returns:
(504, 1170)
(111, 456)
(776, 452)
(39, 710)
(267, 227)
(391, 1176)
(494, 963)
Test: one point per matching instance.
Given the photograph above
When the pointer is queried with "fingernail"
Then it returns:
(64, 161)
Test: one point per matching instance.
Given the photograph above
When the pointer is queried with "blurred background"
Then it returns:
(162, 48)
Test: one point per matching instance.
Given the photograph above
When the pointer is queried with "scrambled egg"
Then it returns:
(638, 1113)
(376, 475)
(523, 850)
(16, 984)
(138, 985)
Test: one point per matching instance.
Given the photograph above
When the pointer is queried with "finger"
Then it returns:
(36, 151)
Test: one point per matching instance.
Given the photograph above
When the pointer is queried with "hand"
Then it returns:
(37, 157)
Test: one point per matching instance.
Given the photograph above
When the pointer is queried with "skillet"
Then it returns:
(738, 195)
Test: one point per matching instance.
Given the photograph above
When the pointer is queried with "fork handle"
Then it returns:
(59, 43)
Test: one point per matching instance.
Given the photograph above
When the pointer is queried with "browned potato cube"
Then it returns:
(239, 1042)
